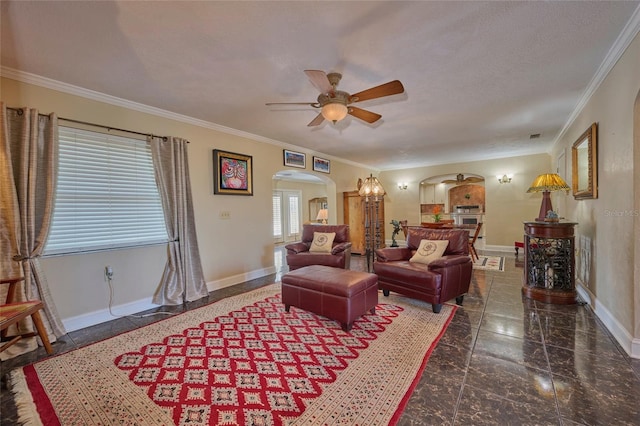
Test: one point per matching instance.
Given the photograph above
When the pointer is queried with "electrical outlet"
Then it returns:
(225, 214)
(108, 272)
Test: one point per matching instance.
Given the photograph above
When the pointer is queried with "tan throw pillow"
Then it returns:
(322, 242)
(429, 250)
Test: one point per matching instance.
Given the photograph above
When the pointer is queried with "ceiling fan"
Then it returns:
(336, 104)
(461, 179)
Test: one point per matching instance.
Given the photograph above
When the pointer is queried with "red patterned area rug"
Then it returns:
(240, 361)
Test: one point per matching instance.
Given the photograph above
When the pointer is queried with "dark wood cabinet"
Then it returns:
(354, 216)
(549, 266)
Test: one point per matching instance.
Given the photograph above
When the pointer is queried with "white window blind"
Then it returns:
(277, 216)
(106, 195)
(294, 215)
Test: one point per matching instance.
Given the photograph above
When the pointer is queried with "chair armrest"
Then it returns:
(340, 247)
(450, 260)
(393, 254)
(296, 248)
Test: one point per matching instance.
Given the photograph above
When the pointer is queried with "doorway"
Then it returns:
(449, 191)
(295, 195)
(287, 215)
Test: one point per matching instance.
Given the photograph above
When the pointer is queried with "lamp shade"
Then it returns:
(323, 215)
(334, 111)
(371, 187)
(546, 183)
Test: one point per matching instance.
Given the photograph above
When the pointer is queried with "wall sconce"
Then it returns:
(402, 186)
(504, 179)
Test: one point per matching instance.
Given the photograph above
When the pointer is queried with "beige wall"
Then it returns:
(636, 226)
(608, 226)
(232, 250)
(507, 205)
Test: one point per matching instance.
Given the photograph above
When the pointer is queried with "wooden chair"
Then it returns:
(472, 241)
(404, 226)
(13, 312)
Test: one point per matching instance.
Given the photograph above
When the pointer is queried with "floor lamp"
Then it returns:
(373, 193)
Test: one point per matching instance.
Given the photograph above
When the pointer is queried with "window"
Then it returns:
(106, 196)
(277, 217)
(294, 214)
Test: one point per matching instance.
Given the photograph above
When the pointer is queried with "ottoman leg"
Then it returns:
(436, 307)
(347, 327)
(287, 307)
(373, 310)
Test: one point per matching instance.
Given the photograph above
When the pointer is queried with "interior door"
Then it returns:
(287, 216)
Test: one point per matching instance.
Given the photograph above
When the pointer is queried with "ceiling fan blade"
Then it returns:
(362, 114)
(313, 104)
(391, 88)
(319, 80)
(316, 121)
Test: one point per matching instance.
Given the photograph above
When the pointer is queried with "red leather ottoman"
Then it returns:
(338, 294)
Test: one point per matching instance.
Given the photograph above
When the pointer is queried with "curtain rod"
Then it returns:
(70, 120)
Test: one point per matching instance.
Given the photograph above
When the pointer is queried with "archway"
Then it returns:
(307, 188)
(450, 190)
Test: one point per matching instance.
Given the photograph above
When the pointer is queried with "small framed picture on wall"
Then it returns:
(321, 165)
(295, 159)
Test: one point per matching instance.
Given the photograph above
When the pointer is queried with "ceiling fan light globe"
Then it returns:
(334, 111)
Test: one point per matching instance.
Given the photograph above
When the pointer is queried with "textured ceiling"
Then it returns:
(480, 77)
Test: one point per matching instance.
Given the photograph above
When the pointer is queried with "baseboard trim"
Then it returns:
(500, 248)
(103, 315)
(635, 349)
(240, 278)
(630, 345)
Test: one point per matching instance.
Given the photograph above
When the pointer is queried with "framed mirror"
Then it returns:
(585, 164)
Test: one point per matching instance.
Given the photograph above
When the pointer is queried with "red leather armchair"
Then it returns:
(298, 254)
(441, 280)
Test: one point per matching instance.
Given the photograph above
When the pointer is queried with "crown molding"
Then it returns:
(48, 83)
(618, 48)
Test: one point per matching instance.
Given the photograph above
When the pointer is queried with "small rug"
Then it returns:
(490, 263)
(240, 361)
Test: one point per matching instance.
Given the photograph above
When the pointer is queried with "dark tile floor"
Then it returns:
(502, 360)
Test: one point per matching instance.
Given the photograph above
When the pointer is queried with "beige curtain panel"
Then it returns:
(183, 279)
(28, 159)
